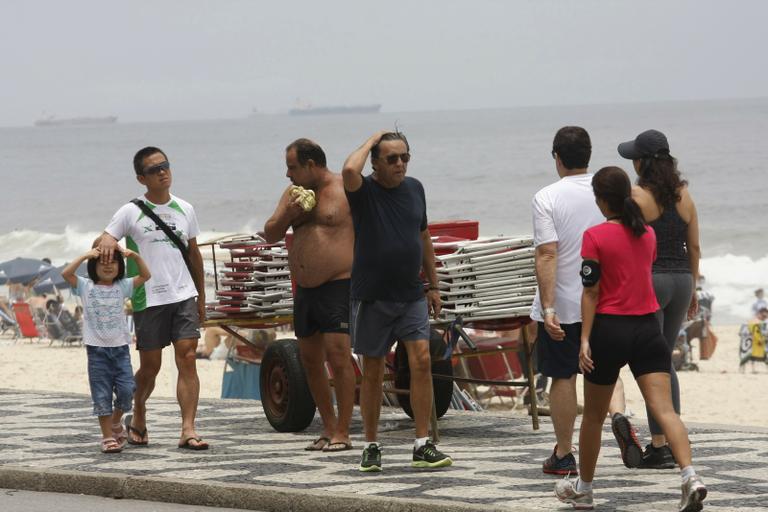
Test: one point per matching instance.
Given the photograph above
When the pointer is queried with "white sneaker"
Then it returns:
(565, 490)
(694, 493)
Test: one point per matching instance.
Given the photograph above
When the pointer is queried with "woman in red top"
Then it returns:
(619, 328)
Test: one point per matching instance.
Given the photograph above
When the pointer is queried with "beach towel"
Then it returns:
(753, 337)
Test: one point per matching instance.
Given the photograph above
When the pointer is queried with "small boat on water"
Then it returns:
(53, 121)
(373, 108)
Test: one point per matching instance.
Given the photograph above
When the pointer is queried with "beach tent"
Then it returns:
(52, 279)
(22, 270)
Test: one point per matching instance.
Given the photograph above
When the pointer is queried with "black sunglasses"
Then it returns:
(155, 169)
(392, 159)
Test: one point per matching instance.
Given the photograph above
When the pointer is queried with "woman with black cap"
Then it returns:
(667, 206)
(619, 328)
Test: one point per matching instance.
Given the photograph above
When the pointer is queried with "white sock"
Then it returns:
(419, 442)
(582, 486)
(687, 472)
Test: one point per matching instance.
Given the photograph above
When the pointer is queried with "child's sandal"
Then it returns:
(110, 445)
(121, 435)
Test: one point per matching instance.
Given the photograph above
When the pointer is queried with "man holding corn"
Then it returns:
(320, 258)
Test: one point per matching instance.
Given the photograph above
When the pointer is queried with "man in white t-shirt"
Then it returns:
(169, 308)
(562, 212)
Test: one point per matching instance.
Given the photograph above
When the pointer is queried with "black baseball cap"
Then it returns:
(647, 144)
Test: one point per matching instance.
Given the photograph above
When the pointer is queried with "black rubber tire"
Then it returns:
(442, 388)
(285, 395)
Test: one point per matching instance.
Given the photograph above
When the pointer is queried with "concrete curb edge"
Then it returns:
(217, 494)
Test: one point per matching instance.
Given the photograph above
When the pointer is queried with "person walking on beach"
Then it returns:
(392, 246)
(562, 212)
(106, 337)
(320, 258)
(619, 327)
(667, 206)
(760, 302)
(170, 309)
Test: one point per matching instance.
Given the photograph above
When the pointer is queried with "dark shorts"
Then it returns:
(159, 326)
(321, 309)
(617, 340)
(376, 325)
(559, 359)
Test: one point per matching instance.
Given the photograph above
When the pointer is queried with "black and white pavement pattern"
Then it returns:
(497, 456)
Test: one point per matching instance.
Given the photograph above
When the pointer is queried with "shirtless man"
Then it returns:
(320, 259)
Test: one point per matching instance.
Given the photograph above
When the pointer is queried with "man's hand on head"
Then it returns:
(107, 245)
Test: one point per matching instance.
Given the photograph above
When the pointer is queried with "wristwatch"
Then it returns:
(548, 311)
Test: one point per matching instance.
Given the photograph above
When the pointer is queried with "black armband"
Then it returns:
(590, 273)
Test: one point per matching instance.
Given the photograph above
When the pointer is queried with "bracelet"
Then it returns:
(432, 288)
(548, 311)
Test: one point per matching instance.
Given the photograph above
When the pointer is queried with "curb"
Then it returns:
(216, 494)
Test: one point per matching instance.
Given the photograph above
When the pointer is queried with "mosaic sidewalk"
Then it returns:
(497, 457)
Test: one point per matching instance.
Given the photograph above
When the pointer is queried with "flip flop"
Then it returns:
(340, 446)
(321, 441)
(140, 433)
(186, 445)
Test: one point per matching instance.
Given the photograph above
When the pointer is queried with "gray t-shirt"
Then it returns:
(104, 322)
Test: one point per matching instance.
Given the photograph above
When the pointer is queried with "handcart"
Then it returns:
(249, 298)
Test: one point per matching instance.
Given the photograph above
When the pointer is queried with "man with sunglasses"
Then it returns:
(169, 308)
(320, 258)
(389, 300)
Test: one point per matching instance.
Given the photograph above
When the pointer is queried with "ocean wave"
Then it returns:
(731, 278)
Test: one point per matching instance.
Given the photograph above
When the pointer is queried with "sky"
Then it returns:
(189, 59)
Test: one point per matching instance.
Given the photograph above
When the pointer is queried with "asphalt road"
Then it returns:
(26, 501)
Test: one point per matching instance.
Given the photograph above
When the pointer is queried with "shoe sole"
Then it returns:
(631, 452)
(561, 472)
(439, 464)
(370, 469)
(665, 465)
(695, 501)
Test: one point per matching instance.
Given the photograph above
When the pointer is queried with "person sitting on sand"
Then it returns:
(106, 338)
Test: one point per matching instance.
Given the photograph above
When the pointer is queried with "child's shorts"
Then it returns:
(110, 376)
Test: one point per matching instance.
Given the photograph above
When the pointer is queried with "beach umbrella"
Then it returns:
(52, 279)
(22, 270)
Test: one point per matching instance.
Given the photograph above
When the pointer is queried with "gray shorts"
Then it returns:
(376, 325)
(159, 326)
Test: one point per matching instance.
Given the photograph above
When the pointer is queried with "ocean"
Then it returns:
(60, 185)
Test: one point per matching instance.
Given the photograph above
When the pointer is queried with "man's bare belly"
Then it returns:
(320, 254)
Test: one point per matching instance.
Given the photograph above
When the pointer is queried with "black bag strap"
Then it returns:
(166, 229)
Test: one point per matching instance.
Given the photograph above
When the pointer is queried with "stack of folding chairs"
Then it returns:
(487, 279)
(256, 280)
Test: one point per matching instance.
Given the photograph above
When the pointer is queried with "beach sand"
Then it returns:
(717, 394)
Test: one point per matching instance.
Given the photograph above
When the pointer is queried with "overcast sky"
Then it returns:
(179, 59)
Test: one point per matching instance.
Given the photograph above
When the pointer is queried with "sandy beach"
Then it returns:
(718, 393)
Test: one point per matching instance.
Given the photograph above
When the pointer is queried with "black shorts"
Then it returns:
(559, 359)
(322, 309)
(617, 340)
(159, 326)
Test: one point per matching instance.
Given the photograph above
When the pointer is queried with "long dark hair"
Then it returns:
(94, 276)
(658, 173)
(612, 185)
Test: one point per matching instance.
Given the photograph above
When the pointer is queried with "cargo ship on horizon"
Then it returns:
(309, 110)
(53, 121)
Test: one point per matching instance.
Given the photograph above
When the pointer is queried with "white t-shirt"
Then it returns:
(103, 317)
(171, 281)
(562, 212)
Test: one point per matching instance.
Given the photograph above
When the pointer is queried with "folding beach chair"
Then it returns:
(7, 323)
(25, 320)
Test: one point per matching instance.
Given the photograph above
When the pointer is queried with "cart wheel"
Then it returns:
(285, 395)
(442, 388)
